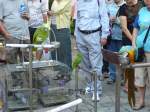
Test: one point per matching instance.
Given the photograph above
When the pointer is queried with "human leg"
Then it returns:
(96, 61)
(64, 51)
(85, 65)
(11, 54)
(140, 79)
(24, 53)
(141, 103)
(105, 68)
(31, 31)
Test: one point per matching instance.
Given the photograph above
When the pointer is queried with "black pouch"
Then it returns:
(140, 54)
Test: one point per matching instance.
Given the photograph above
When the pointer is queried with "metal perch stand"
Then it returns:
(121, 63)
(94, 74)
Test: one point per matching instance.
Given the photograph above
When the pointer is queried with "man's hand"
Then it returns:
(7, 35)
(3, 31)
(25, 16)
(50, 13)
(112, 19)
(103, 41)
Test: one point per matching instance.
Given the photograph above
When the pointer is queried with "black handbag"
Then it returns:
(140, 53)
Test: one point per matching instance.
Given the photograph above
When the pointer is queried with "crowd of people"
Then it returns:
(99, 24)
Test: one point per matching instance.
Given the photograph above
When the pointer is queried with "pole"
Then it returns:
(118, 84)
(95, 91)
(76, 88)
(30, 79)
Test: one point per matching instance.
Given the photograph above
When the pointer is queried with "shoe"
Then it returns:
(99, 87)
(110, 81)
(101, 78)
(122, 83)
(139, 107)
(106, 75)
(94, 98)
(88, 89)
(125, 89)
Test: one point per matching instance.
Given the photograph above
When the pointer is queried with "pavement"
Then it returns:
(107, 100)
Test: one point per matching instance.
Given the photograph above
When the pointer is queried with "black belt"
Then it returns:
(89, 31)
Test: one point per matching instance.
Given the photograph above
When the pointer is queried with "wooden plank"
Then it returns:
(112, 57)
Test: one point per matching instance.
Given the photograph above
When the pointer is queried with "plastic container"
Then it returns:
(23, 8)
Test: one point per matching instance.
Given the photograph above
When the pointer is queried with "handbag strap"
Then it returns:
(146, 35)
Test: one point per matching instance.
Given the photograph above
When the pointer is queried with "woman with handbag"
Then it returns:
(127, 14)
(141, 33)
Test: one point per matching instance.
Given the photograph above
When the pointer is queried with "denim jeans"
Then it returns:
(105, 67)
(64, 51)
(114, 46)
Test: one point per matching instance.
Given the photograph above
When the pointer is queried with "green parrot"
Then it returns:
(77, 61)
(41, 34)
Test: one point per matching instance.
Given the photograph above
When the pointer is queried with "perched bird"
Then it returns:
(77, 61)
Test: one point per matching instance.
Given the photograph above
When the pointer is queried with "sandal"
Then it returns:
(139, 107)
(125, 89)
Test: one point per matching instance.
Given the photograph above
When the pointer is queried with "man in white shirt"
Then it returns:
(92, 31)
(14, 25)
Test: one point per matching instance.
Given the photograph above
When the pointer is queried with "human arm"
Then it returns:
(45, 9)
(45, 18)
(123, 22)
(3, 31)
(135, 31)
(122, 14)
(112, 19)
(72, 8)
(25, 12)
(134, 35)
(104, 21)
(25, 16)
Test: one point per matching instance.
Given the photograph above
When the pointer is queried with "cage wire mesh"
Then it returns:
(49, 79)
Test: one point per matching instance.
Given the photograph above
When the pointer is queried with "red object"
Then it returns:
(46, 50)
(0, 30)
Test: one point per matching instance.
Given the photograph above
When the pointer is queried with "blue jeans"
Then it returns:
(114, 46)
(64, 51)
